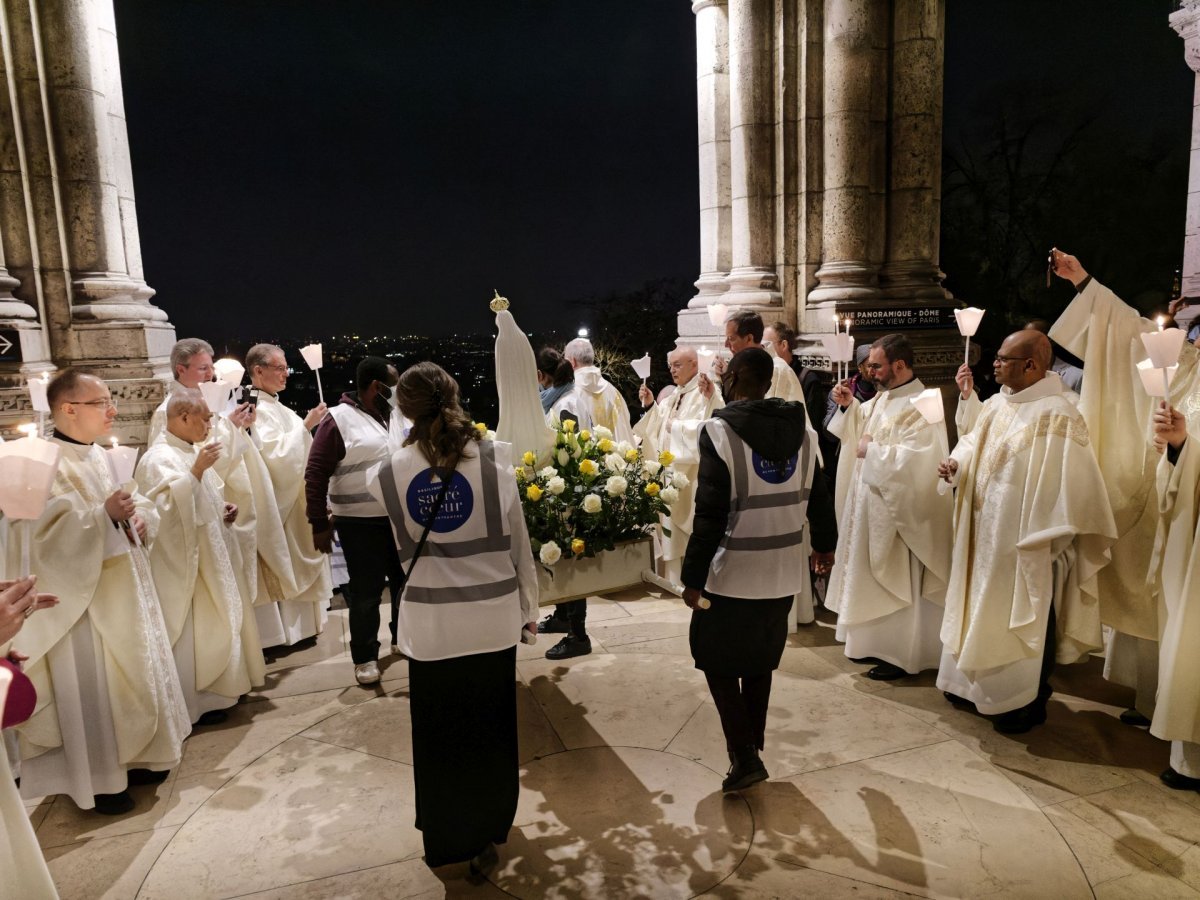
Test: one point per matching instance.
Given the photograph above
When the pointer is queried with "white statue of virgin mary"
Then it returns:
(522, 421)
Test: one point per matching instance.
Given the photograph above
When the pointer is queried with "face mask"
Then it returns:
(386, 400)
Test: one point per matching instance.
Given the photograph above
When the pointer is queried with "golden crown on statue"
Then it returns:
(498, 303)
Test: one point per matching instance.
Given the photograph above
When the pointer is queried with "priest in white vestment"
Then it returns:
(110, 710)
(1032, 529)
(293, 587)
(192, 365)
(1177, 713)
(893, 560)
(21, 860)
(674, 425)
(596, 399)
(210, 623)
(1106, 334)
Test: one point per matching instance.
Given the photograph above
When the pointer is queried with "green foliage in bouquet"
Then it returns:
(594, 493)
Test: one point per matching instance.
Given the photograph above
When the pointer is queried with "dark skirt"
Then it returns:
(737, 637)
(464, 739)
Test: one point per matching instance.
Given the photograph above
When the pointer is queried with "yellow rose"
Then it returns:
(653, 488)
(578, 546)
(605, 445)
(585, 435)
(534, 493)
(568, 425)
(666, 457)
(631, 455)
(530, 457)
(481, 428)
(589, 467)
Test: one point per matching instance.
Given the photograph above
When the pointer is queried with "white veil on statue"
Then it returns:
(522, 421)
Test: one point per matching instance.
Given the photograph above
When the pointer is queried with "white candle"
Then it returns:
(29, 430)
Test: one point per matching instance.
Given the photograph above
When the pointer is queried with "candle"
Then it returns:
(29, 430)
(641, 367)
(1164, 346)
(705, 358)
(27, 468)
(312, 356)
(968, 323)
(717, 313)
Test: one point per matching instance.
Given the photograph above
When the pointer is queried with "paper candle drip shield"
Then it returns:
(929, 405)
(1151, 377)
(216, 395)
(717, 313)
(1164, 346)
(27, 469)
(705, 359)
(642, 367)
(230, 371)
(968, 320)
(312, 355)
(37, 394)
(122, 461)
(840, 347)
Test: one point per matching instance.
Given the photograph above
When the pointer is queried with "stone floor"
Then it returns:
(877, 791)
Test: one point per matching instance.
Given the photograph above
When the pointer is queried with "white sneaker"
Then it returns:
(367, 673)
(396, 651)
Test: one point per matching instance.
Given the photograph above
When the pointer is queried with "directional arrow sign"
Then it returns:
(10, 345)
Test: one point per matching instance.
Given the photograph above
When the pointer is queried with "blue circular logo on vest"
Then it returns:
(456, 507)
(774, 471)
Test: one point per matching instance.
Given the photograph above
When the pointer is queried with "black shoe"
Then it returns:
(885, 671)
(570, 646)
(552, 624)
(145, 776)
(113, 804)
(1019, 721)
(957, 701)
(483, 862)
(1173, 779)
(864, 660)
(212, 717)
(1134, 718)
(747, 769)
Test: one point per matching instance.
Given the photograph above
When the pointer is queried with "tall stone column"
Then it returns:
(712, 117)
(914, 200)
(79, 249)
(1186, 22)
(847, 274)
(753, 282)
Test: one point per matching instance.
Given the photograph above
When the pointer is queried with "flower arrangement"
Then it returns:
(595, 493)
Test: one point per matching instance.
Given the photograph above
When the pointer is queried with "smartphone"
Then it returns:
(248, 395)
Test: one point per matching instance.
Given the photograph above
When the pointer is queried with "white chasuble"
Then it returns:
(294, 580)
(674, 425)
(210, 623)
(1032, 527)
(893, 559)
(108, 694)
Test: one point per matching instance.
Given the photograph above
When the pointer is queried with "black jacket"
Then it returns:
(774, 429)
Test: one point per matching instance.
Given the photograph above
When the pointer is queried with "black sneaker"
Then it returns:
(570, 646)
(113, 804)
(552, 624)
(747, 769)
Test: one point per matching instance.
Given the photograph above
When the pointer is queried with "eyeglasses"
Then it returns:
(1007, 359)
(105, 402)
(675, 365)
(276, 368)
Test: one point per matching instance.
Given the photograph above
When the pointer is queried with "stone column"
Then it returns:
(914, 201)
(752, 281)
(1186, 22)
(712, 116)
(846, 274)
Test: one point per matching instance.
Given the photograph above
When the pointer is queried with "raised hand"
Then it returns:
(1170, 427)
(965, 380)
(645, 396)
(315, 415)
(1067, 266)
(206, 459)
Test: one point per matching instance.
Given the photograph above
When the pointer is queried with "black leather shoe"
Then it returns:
(212, 717)
(885, 671)
(145, 776)
(483, 862)
(957, 701)
(113, 804)
(570, 646)
(864, 660)
(747, 770)
(1134, 718)
(1173, 779)
(1019, 721)
(553, 625)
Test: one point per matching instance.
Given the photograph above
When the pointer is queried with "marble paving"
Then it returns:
(876, 791)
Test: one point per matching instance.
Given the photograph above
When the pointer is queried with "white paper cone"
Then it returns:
(642, 367)
(968, 320)
(230, 371)
(1164, 346)
(27, 468)
(122, 461)
(37, 395)
(1151, 376)
(216, 395)
(717, 313)
(705, 359)
(312, 355)
(929, 405)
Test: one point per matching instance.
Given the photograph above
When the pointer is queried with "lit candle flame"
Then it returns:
(29, 430)
(115, 442)
(1161, 321)
(847, 324)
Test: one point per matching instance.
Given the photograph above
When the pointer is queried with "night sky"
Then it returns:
(322, 167)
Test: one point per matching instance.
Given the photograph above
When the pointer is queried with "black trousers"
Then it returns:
(575, 614)
(371, 560)
(742, 707)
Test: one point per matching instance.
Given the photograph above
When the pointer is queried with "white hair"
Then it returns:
(580, 350)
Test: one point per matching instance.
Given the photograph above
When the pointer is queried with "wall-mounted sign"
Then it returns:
(10, 345)
(900, 318)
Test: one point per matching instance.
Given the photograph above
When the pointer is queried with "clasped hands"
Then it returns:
(120, 508)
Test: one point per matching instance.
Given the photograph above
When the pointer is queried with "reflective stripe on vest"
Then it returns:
(760, 553)
(494, 540)
(366, 442)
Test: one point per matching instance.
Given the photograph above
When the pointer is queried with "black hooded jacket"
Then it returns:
(774, 429)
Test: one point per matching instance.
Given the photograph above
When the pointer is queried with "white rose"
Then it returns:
(550, 553)
(624, 447)
(668, 495)
(577, 451)
(548, 472)
(600, 432)
(616, 486)
(563, 457)
(614, 463)
(489, 435)
(592, 503)
(556, 485)
(679, 480)
(651, 466)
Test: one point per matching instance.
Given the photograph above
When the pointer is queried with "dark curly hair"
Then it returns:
(428, 397)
